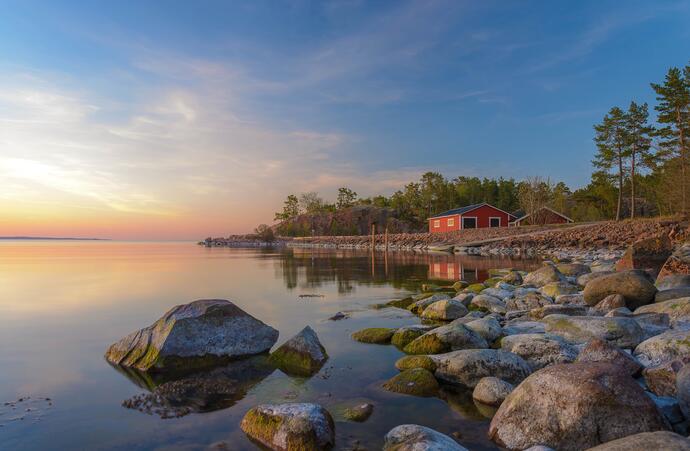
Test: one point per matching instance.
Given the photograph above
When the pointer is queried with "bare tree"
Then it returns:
(534, 193)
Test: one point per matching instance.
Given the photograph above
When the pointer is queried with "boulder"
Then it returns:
(301, 355)
(201, 333)
(465, 298)
(497, 293)
(598, 350)
(673, 281)
(652, 323)
(447, 338)
(415, 381)
(575, 299)
(411, 437)
(488, 304)
(542, 276)
(540, 350)
(620, 331)
(558, 309)
(573, 407)
(488, 327)
(620, 311)
(406, 334)
(662, 379)
(418, 307)
(446, 310)
(376, 335)
(517, 327)
(573, 269)
(637, 289)
(491, 391)
(649, 254)
(672, 293)
(610, 302)
(678, 310)
(513, 278)
(671, 345)
(467, 367)
(409, 362)
(554, 289)
(286, 427)
(528, 301)
(584, 279)
(660, 440)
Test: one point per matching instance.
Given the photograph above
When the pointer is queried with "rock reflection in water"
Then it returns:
(175, 394)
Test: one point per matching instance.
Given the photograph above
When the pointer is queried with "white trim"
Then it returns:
(499, 221)
(444, 216)
(462, 222)
(449, 223)
(544, 208)
(437, 223)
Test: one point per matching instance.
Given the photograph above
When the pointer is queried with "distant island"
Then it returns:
(51, 238)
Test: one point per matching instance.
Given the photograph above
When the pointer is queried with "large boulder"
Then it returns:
(546, 274)
(678, 310)
(584, 279)
(648, 254)
(411, 437)
(287, 427)
(660, 440)
(486, 303)
(446, 310)
(621, 331)
(574, 407)
(189, 336)
(635, 286)
(598, 350)
(301, 355)
(467, 367)
(446, 338)
(610, 302)
(491, 391)
(540, 350)
(671, 345)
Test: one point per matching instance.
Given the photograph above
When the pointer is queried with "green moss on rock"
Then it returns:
(417, 382)
(416, 361)
(475, 288)
(404, 336)
(377, 335)
(427, 344)
(401, 303)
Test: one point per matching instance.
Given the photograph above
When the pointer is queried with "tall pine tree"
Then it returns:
(638, 133)
(611, 140)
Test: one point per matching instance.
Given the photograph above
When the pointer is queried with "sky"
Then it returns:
(181, 120)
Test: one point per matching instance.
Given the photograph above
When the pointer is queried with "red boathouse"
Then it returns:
(475, 216)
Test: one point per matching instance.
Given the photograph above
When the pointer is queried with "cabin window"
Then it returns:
(469, 223)
(451, 222)
(437, 223)
(494, 222)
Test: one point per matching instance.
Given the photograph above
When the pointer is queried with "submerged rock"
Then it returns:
(199, 334)
(660, 440)
(376, 335)
(411, 437)
(491, 391)
(359, 413)
(415, 361)
(302, 355)
(416, 381)
(467, 367)
(293, 426)
(574, 407)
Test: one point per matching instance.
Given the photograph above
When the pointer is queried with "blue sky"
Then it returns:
(156, 110)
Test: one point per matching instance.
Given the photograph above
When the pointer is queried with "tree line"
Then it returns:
(640, 169)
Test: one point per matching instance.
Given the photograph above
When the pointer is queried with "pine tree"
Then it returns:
(638, 133)
(611, 139)
(674, 113)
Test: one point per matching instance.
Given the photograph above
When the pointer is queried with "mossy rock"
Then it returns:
(401, 303)
(492, 281)
(420, 296)
(475, 288)
(416, 361)
(359, 413)
(430, 287)
(460, 284)
(427, 344)
(416, 382)
(376, 335)
(405, 335)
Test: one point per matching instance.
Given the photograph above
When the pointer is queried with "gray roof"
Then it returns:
(458, 211)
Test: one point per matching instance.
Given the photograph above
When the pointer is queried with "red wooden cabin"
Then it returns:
(470, 217)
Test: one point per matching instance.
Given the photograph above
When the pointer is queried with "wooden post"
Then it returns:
(385, 239)
(373, 236)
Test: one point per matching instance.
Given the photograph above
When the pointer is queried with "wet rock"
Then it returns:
(636, 287)
(301, 355)
(406, 334)
(418, 307)
(376, 335)
(554, 289)
(403, 303)
(285, 427)
(460, 284)
(622, 332)
(467, 367)
(540, 350)
(359, 413)
(415, 361)
(671, 345)
(598, 350)
(491, 391)
(558, 309)
(488, 327)
(338, 316)
(573, 407)
(447, 338)
(678, 310)
(610, 302)
(528, 301)
(487, 303)
(415, 381)
(446, 310)
(671, 281)
(544, 275)
(411, 437)
(195, 335)
(660, 440)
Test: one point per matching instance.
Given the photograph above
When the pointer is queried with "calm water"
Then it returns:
(63, 303)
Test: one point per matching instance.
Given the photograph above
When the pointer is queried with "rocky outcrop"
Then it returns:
(301, 355)
(635, 286)
(286, 427)
(574, 407)
(467, 367)
(411, 437)
(201, 333)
